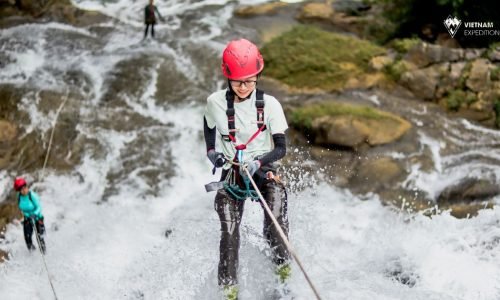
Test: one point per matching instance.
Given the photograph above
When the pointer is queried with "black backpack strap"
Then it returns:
(230, 115)
(29, 197)
(259, 104)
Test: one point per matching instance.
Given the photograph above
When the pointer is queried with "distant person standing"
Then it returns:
(150, 13)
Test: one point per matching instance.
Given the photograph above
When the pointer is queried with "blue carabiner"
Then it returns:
(239, 154)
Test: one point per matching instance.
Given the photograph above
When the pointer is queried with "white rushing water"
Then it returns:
(106, 222)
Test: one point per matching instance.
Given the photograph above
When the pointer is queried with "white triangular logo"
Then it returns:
(452, 24)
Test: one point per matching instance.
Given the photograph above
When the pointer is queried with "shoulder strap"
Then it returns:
(259, 104)
(29, 197)
(230, 115)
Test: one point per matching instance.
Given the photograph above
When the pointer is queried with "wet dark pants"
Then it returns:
(28, 231)
(152, 30)
(230, 212)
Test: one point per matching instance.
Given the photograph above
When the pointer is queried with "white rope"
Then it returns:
(41, 177)
(282, 234)
(52, 135)
(43, 259)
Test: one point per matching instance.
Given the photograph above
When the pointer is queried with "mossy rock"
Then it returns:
(258, 10)
(315, 11)
(303, 117)
(339, 124)
(310, 58)
(396, 69)
(404, 45)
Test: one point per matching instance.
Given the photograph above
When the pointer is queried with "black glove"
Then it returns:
(216, 158)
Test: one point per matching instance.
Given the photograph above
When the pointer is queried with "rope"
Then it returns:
(282, 234)
(235, 190)
(52, 134)
(41, 177)
(43, 259)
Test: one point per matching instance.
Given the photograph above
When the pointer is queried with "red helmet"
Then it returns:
(241, 59)
(19, 183)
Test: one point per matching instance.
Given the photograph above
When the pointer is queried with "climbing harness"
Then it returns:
(281, 233)
(236, 185)
(235, 190)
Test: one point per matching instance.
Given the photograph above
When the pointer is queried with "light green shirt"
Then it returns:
(245, 124)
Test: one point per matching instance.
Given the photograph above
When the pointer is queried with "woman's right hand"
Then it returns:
(216, 158)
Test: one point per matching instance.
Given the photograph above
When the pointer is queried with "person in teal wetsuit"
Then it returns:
(29, 204)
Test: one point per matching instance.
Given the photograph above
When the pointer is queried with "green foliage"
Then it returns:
(395, 70)
(284, 272)
(304, 116)
(455, 5)
(465, 75)
(457, 98)
(404, 45)
(308, 57)
(230, 292)
(495, 45)
(495, 74)
(496, 108)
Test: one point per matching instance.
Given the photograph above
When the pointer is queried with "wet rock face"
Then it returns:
(469, 190)
(31, 6)
(8, 131)
(59, 11)
(376, 174)
(25, 151)
(10, 117)
(3, 256)
(8, 212)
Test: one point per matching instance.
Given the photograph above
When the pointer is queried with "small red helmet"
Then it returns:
(241, 59)
(19, 183)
